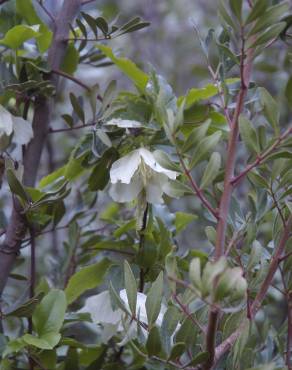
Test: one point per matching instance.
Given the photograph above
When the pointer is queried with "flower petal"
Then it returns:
(121, 192)
(123, 123)
(150, 161)
(124, 168)
(154, 188)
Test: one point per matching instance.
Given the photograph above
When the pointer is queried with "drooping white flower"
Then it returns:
(116, 321)
(19, 127)
(137, 172)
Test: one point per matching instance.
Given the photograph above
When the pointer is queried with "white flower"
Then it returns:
(136, 172)
(123, 123)
(21, 129)
(101, 312)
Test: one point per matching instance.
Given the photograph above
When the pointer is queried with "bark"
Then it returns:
(43, 109)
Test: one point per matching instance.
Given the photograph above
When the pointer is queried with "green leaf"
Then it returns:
(248, 134)
(288, 91)
(17, 35)
(270, 107)
(197, 135)
(199, 359)
(195, 273)
(187, 333)
(27, 308)
(182, 220)
(153, 344)
(257, 10)
(225, 16)
(77, 107)
(211, 170)
(127, 67)
(15, 185)
(131, 287)
(267, 36)
(88, 277)
(154, 299)
(48, 341)
(271, 16)
(49, 315)
(71, 60)
(176, 351)
(204, 147)
(26, 10)
(236, 7)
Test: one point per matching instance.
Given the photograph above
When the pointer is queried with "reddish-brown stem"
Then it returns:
(196, 188)
(261, 157)
(229, 342)
(245, 71)
(277, 205)
(55, 131)
(71, 78)
(185, 310)
(289, 335)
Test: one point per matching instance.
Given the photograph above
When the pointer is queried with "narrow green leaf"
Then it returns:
(71, 59)
(153, 344)
(204, 147)
(197, 135)
(15, 185)
(87, 278)
(91, 22)
(248, 134)
(236, 7)
(27, 308)
(48, 341)
(226, 16)
(102, 25)
(127, 67)
(182, 220)
(211, 170)
(154, 299)
(257, 10)
(77, 107)
(176, 351)
(199, 359)
(288, 91)
(267, 36)
(271, 110)
(131, 287)
(271, 16)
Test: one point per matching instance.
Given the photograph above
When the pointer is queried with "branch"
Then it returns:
(261, 157)
(71, 78)
(196, 188)
(55, 131)
(245, 71)
(43, 108)
(256, 305)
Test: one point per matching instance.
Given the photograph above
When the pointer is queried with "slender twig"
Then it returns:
(55, 131)
(49, 14)
(72, 78)
(141, 247)
(195, 187)
(32, 282)
(185, 310)
(261, 157)
(85, 2)
(277, 205)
